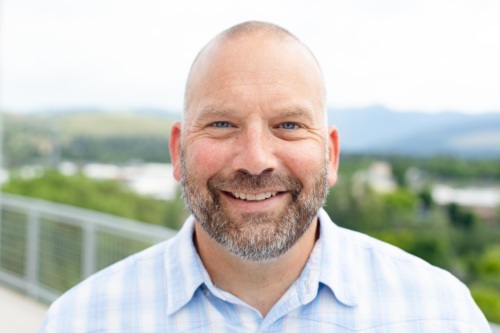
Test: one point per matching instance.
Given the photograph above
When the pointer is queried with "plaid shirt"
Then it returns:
(351, 283)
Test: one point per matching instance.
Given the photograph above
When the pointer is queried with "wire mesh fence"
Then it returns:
(46, 248)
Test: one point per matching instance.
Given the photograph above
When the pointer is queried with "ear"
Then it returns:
(333, 155)
(175, 149)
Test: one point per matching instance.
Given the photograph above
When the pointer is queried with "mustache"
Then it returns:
(244, 182)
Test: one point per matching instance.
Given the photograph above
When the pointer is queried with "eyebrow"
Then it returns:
(213, 112)
(295, 111)
(298, 112)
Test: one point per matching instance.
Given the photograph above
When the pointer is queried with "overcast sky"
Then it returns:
(422, 55)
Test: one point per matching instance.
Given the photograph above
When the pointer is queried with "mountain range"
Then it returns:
(371, 130)
(382, 131)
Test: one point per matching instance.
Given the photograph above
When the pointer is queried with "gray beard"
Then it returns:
(258, 237)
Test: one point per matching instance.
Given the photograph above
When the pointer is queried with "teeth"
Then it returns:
(254, 197)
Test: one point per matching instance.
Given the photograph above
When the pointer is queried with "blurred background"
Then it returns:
(89, 89)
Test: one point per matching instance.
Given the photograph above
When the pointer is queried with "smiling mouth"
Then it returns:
(253, 196)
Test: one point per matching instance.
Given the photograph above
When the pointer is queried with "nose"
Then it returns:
(255, 152)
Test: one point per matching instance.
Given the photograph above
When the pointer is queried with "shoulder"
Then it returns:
(359, 253)
(134, 294)
(388, 286)
(383, 260)
(406, 285)
(110, 293)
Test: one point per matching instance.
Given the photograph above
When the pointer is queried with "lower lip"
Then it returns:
(245, 206)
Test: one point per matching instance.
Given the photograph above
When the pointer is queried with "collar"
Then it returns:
(337, 269)
(183, 268)
(331, 257)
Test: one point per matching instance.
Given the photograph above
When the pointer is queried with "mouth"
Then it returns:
(253, 196)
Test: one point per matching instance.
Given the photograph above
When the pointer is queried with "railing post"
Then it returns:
(32, 250)
(89, 248)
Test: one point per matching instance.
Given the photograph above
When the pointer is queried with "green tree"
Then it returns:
(460, 217)
(104, 196)
(488, 300)
(488, 266)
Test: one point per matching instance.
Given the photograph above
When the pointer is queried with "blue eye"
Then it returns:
(221, 124)
(289, 126)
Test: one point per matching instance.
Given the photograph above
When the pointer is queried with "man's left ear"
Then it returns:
(333, 155)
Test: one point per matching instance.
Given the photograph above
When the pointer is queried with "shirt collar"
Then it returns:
(331, 257)
(183, 268)
(337, 258)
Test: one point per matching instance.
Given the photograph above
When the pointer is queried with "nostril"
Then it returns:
(246, 172)
(267, 171)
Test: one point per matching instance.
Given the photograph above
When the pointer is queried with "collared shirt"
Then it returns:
(351, 283)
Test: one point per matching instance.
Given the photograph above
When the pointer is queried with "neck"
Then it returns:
(259, 284)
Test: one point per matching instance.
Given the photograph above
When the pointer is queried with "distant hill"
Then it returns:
(379, 130)
(95, 123)
(83, 135)
(49, 137)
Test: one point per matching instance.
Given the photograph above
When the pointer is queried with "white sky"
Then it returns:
(423, 55)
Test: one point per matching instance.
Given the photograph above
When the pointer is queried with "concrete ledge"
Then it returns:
(19, 313)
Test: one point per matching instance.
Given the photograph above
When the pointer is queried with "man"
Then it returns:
(255, 157)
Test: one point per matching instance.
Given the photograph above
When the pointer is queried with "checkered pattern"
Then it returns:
(351, 283)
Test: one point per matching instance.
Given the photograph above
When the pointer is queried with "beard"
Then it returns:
(258, 237)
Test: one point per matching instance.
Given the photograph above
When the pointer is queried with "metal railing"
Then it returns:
(46, 248)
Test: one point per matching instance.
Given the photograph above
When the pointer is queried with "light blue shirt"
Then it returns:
(351, 283)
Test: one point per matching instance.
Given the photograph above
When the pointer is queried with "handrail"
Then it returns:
(45, 247)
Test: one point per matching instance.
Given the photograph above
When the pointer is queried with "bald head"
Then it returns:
(248, 28)
(248, 38)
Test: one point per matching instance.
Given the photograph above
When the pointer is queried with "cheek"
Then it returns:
(205, 160)
(305, 161)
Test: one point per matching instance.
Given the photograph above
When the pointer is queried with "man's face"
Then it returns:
(254, 159)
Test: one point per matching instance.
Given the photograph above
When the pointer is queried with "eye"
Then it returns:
(221, 124)
(289, 126)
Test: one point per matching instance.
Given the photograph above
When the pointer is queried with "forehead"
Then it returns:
(255, 69)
